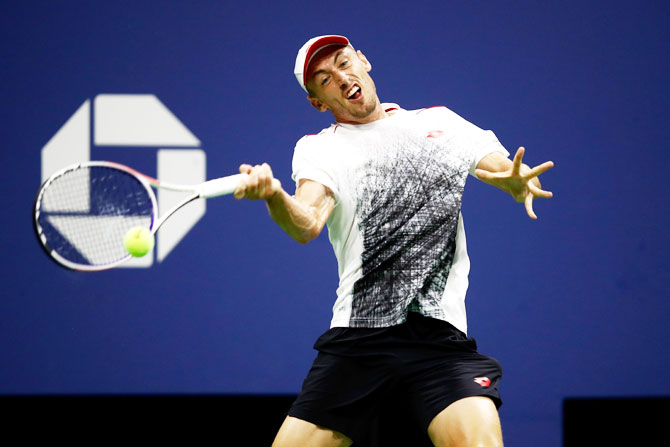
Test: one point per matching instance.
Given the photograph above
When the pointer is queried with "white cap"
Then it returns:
(309, 50)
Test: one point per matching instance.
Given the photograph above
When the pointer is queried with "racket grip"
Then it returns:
(220, 186)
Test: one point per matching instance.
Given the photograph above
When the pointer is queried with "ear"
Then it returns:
(366, 63)
(318, 105)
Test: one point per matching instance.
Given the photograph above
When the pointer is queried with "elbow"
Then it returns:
(308, 235)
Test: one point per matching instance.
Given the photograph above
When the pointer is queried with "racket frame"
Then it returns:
(208, 189)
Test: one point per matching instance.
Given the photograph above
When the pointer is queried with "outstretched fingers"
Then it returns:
(529, 206)
(540, 169)
(534, 190)
(519, 180)
(538, 192)
(518, 161)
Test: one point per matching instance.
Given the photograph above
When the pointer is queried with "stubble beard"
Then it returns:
(368, 108)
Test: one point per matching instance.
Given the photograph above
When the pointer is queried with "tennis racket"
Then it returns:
(83, 211)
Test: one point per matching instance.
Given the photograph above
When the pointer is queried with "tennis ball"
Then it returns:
(138, 241)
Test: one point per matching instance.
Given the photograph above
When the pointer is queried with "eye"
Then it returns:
(324, 81)
(344, 63)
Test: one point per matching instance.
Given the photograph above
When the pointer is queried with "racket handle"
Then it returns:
(220, 186)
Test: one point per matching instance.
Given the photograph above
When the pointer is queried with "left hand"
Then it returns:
(520, 181)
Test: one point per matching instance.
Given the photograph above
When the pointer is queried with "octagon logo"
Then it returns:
(136, 121)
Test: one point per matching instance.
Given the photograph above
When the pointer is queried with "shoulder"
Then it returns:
(432, 110)
(319, 146)
(316, 139)
(441, 115)
(320, 136)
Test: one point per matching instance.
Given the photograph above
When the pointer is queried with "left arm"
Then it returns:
(514, 177)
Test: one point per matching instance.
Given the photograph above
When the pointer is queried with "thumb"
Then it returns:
(241, 188)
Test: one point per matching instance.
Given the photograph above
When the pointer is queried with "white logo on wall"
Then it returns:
(140, 121)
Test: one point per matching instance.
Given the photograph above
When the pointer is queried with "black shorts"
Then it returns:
(413, 370)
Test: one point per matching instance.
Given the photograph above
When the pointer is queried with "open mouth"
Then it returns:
(354, 92)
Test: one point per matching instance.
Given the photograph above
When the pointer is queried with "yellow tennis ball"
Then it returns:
(138, 241)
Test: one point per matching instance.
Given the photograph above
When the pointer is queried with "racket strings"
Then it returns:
(86, 212)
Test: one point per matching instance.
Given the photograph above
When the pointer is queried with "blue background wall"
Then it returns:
(574, 304)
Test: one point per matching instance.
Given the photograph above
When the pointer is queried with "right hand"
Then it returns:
(260, 184)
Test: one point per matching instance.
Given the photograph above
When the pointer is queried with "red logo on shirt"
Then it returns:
(434, 134)
(483, 381)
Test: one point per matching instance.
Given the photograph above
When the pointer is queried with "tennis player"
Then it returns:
(388, 183)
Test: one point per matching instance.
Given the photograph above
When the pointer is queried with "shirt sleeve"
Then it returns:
(311, 161)
(479, 142)
(490, 144)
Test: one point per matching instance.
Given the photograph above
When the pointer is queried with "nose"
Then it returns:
(341, 78)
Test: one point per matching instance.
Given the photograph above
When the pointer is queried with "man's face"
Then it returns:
(338, 80)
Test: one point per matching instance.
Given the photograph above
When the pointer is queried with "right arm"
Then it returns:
(302, 216)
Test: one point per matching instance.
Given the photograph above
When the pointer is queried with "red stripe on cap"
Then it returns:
(316, 46)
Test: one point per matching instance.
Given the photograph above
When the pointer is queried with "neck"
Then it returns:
(378, 113)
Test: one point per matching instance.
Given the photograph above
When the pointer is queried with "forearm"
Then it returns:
(300, 221)
(301, 216)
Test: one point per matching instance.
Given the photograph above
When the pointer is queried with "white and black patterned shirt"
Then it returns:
(396, 228)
